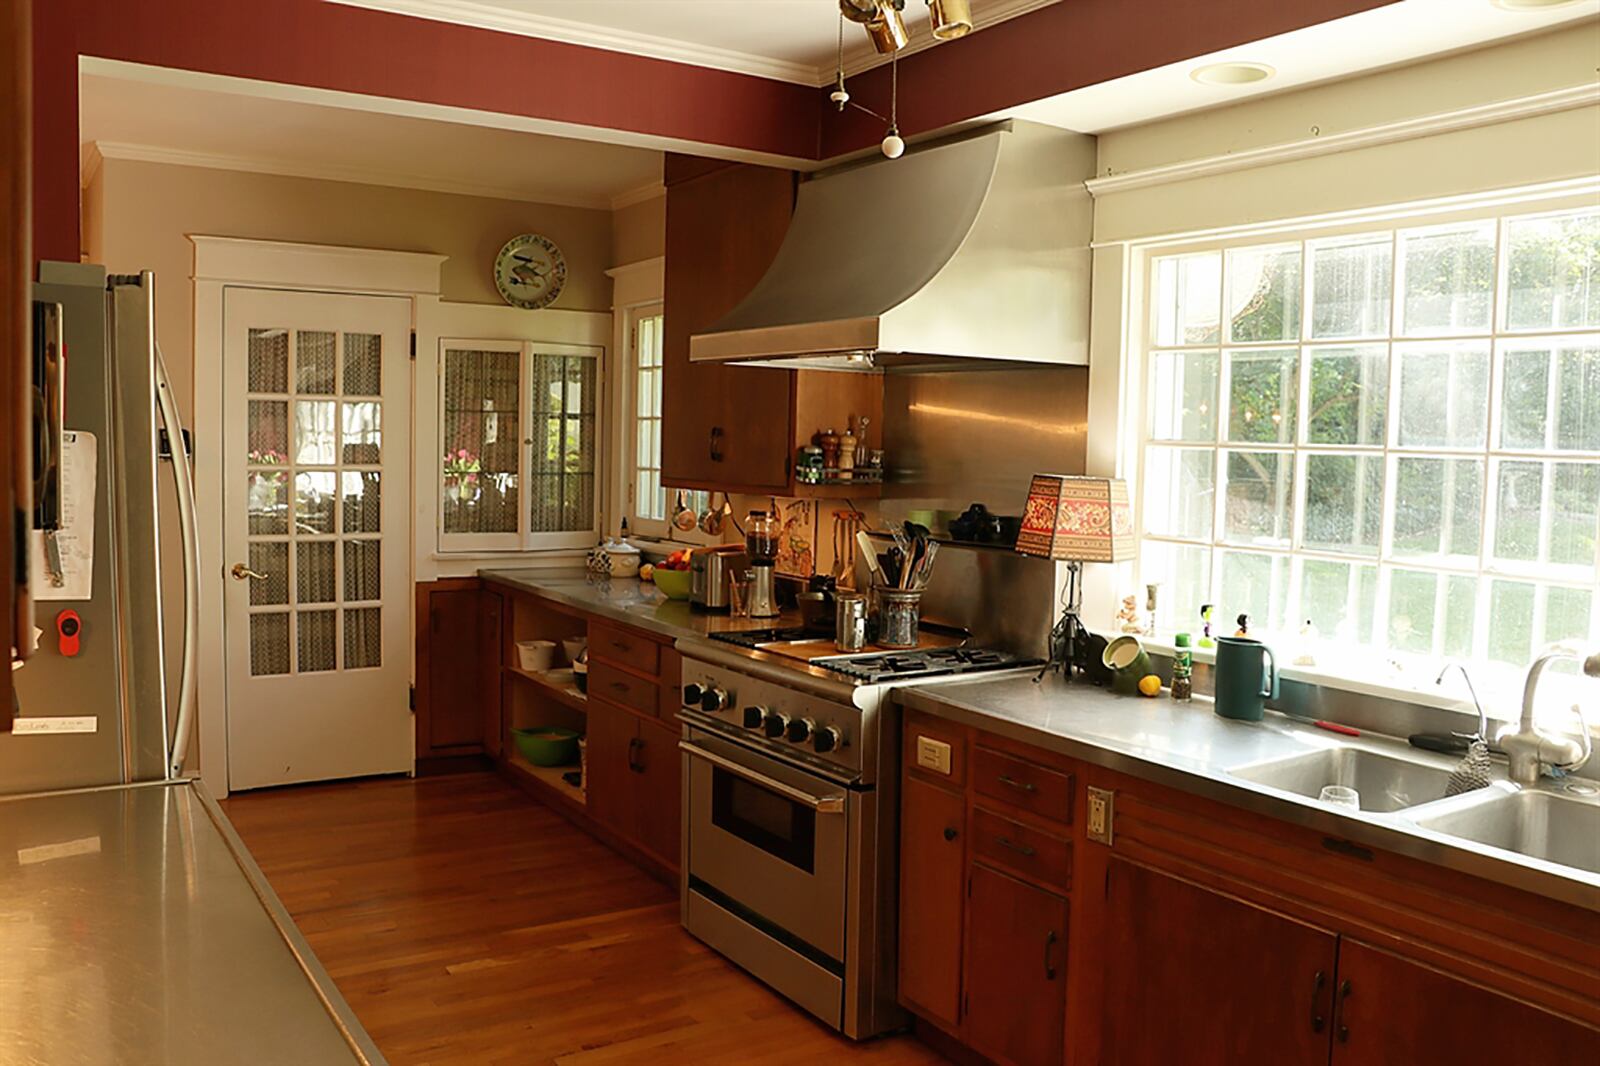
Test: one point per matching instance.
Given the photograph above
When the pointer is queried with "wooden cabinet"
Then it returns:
(1390, 1009)
(1015, 970)
(634, 779)
(611, 735)
(657, 791)
(458, 668)
(731, 427)
(1193, 975)
(932, 883)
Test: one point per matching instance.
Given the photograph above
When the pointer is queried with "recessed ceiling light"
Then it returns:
(1530, 5)
(1231, 73)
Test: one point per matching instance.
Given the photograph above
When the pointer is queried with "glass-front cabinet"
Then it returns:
(520, 445)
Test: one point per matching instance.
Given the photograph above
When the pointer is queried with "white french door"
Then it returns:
(316, 420)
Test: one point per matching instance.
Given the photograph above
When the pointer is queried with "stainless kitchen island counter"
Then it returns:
(135, 928)
(1188, 747)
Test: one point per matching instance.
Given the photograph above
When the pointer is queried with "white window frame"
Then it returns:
(637, 522)
(1136, 400)
(524, 539)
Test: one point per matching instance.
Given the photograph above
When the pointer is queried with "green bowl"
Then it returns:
(674, 583)
(547, 745)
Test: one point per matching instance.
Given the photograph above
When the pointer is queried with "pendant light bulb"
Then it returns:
(893, 145)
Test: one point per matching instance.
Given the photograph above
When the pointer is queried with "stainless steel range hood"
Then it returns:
(970, 250)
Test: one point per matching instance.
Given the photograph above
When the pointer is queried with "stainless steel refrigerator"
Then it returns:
(97, 703)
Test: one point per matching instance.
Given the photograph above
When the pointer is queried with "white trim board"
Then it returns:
(96, 151)
(1387, 133)
(326, 267)
(858, 56)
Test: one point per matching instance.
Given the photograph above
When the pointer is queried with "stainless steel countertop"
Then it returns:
(135, 928)
(629, 601)
(1187, 746)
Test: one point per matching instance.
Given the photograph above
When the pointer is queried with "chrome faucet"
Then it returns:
(1529, 750)
(1483, 718)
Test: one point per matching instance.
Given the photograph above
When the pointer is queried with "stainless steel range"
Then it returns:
(790, 808)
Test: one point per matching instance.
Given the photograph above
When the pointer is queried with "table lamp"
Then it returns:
(1075, 520)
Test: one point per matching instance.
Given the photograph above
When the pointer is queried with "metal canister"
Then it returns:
(850, 621)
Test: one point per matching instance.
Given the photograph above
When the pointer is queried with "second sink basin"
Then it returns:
(1541, 825)
(1385, 784)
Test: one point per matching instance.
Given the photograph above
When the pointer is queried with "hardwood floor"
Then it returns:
(467, 924)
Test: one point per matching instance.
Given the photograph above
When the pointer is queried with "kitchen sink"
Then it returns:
(1385, 783)
(1540, 825)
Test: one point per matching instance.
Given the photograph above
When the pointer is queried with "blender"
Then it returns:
(761, 545)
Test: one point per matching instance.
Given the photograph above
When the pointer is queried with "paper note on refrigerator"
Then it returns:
(63, 562)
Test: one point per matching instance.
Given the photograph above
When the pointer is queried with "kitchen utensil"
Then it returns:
(1332, 727)
(899, 612)
(739, 593)
(624, 558)
(712, 518)
(763, 599)
(1246, 677)
(536, 656)
(580, 676)
(850, 621)
(674, 584)
(547, 745)
(1473, 772)
(870, 555)
(1128, 662)
(761, 538)
(846, 526)
(1340, 796)
(683, 519)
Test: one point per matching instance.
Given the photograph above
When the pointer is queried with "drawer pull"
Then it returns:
(1317, 1020)
(1021, 786)
(950, 834)
(1049, 967)
(1021, 849)
(1343, 1030)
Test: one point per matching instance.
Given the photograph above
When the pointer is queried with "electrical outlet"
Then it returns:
(933, 755)
(1100, 815)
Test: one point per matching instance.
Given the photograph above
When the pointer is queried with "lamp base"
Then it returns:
(1072, 647)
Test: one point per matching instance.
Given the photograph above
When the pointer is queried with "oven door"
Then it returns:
(770, 839)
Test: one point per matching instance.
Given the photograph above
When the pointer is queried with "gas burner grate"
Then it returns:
(754, 638)
(933, 662)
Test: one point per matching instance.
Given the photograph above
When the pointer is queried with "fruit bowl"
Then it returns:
(674, 584)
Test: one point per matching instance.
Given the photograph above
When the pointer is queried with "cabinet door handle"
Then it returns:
(1021, 786)
(1049, 967)
(716, 444)
(950, 833)
(1341, 1030)
(1021, 849)
(1317, 1020)
(634, 745)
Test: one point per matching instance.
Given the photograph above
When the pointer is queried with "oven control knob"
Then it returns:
(692, 694)
(776, 724)
(713, 700)
(800, 730)
(754, 715)
(827, 739)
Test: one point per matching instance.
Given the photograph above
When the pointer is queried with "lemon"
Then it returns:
(1150, 685)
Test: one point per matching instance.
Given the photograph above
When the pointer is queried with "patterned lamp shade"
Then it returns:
(1082, 519)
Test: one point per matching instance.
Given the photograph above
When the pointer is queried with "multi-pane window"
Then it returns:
(519, 438)
(652, 506)
(1392, 434)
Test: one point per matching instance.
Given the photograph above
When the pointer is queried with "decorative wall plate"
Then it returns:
(530, 271)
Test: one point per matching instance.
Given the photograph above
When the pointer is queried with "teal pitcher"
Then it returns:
(1246, 678)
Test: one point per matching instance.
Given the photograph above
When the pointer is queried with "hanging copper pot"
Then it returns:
(950, 18)
(882, 21)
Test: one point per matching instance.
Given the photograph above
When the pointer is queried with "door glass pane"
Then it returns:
(1263, 395)
(362, 500)
(1553, 276)
(482, 441)
(1449, 279)
(314, 432)
(1259, 508)
(267, 432)
(1444, 394)
(363, 638)
(1344, 503)
(363, 433)
(562, 472)
(1349, 395)
(1184, 395)
(1264, 294)
(267, 501)
(269, 644)
(268, 360)
(1438, 506)
(363, 364)
(1350, 286)
(362, 579)
(314, 573)
(1188, 299)
(316, 646)
(272, 559)
(314, 362)
(1180, 491)
(314, 501)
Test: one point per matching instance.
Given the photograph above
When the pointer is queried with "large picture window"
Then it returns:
(1393, 434)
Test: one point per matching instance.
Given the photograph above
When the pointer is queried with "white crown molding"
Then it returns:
(858, 57)
(649, 191)
(1368, 137)
(183, 157)
(315, 266)
(89, 162)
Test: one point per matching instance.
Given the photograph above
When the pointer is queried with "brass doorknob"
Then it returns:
(242, 572)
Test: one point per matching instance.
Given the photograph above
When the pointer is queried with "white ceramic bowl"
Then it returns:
(536, 656)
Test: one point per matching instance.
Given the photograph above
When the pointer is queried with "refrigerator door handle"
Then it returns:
(190, 533)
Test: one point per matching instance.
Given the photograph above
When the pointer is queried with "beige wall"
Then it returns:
(639, 231)
(139, 216)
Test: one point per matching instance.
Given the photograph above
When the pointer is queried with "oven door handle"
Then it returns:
(820, 804)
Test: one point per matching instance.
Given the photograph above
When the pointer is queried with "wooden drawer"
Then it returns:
(1032, 854)
(637, 653)
(1045, 792)
(623, 688)
(924, 732)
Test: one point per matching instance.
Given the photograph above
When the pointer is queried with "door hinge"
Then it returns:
(413, 344)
